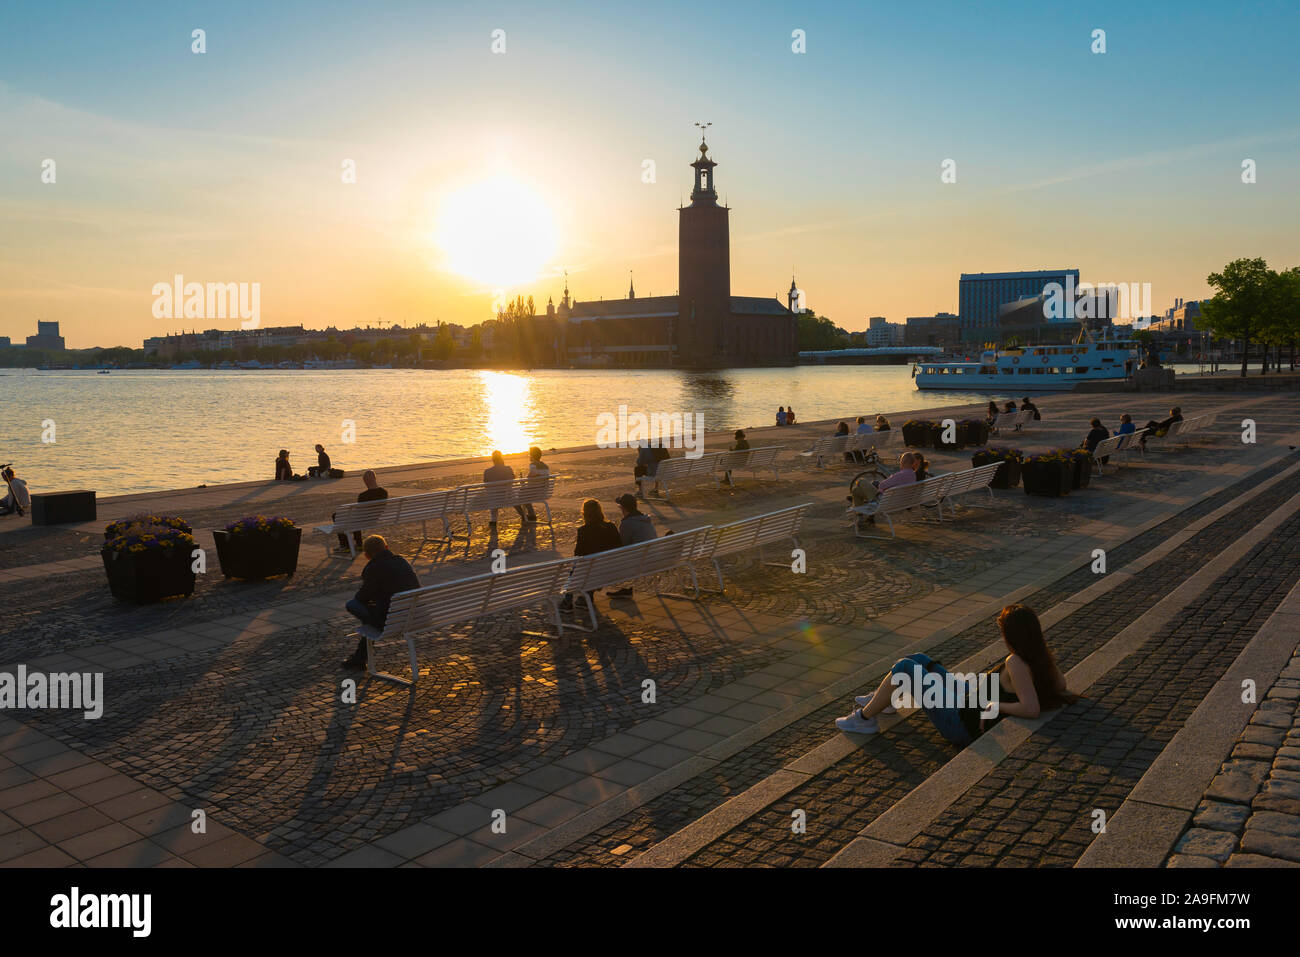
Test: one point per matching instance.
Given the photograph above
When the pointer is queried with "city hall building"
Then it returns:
(703, 326)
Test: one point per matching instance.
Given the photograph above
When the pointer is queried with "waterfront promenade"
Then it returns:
(230, 702)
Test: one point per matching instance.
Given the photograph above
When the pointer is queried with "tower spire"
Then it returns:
(704, 193)
(631, 287)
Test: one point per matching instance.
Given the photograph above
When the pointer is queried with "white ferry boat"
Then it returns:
(1033, 368)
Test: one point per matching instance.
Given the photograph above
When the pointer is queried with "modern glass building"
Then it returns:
(981, 294)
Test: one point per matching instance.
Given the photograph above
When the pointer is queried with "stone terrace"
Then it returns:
(230, 701)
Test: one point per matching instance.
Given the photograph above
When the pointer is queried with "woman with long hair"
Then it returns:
(1028, 682)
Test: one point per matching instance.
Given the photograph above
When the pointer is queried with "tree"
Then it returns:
(1242, 303)
(817, 333)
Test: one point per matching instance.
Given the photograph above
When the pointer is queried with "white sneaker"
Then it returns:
(863, 700)
(856, 724)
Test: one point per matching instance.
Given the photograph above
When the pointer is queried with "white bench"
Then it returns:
(423, 610)
(508, 493)
(1105, 449)
(1185, 431)
(750, 459)
(968, 480)
(901, 498)
(684, 469)
(828, 447)
(422, 507)
(734, 537)
(1011, 420)
(1133, 443)
(669, 553)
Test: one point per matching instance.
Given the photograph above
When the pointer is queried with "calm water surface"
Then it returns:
(140, 431)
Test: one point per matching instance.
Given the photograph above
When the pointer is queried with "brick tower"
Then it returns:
(703, 272)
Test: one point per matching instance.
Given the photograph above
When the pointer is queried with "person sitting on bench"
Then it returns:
(322, 467)
(1160, 428)
(17, 498)
(498, 471)
(595, 534)
(859, 494)
(1028, 682)
(373, 492)
(634, 528)
(536, 469)
(384, 576)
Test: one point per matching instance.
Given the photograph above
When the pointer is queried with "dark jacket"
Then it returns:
(635, 528)
(322, 462)
(373, 494)
(600, 537)
(1093, 437)
(383, 577)
(498, 473)
(283, 470)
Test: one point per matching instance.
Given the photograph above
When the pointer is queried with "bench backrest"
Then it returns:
(759, 530)
(1006, 420)
(914, 493)
(449, 603)
(635, 561)
(394, 511)
(978, 477)
(682, 466)
(1129, 441)
(747, 458)
(1108, 446)
(519, 491)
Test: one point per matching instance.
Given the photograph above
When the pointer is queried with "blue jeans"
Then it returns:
(363, 614)
(946, 719)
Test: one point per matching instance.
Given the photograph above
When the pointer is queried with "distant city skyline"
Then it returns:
(482, 174)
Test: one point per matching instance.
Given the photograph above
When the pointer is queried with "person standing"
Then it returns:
(385, 575)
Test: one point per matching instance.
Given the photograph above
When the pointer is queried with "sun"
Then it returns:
(498, 232)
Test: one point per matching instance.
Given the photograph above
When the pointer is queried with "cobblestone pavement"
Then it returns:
(1250, 816)
(1037, 806)
(841, 801)
(657, 819)
(256, 733)
(253, 730)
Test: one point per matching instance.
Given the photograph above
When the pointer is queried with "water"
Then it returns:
(146, 430)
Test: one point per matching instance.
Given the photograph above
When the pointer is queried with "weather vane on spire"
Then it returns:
(703, 127)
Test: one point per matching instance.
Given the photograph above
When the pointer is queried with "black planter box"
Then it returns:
(149, 576)
(63, 508)
(1081, 473)
(937, 442)
(258, 555)
(917, 436)
(1007, 475)
(972, 433)
(1052, 479)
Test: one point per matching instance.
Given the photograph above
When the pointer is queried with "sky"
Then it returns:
(480, 174)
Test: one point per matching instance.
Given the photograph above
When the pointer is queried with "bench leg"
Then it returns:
(547, 506)
(385, 676)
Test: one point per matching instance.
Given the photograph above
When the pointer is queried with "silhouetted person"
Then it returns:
(384, 576)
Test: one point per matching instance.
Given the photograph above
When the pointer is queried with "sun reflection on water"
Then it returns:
(508, 399)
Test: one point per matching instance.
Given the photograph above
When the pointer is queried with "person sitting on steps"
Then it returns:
(1029, 681)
